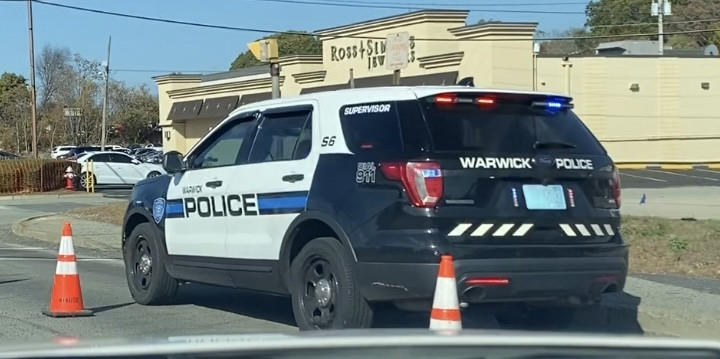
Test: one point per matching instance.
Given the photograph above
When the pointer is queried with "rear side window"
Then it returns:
(372, 128)
(505, 123)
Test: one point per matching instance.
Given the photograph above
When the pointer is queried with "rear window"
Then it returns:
(505, 123)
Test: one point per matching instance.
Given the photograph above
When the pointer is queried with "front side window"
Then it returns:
(224, 148)
(283, 137)
(120, 158)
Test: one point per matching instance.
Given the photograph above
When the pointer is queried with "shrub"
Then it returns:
(33, 175)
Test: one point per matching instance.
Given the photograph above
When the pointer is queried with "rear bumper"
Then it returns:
(528, 279)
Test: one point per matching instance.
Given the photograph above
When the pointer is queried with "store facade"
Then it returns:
(644, 109)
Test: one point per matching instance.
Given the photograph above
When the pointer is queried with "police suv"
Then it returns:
(346, 200)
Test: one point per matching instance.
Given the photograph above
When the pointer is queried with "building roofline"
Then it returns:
(457, 15)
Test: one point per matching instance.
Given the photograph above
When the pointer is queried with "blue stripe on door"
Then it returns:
(281, 203)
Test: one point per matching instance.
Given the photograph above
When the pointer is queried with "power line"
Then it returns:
(401, 7)
(465, 4)
(267, 31)
(655, 23)
(166, 71)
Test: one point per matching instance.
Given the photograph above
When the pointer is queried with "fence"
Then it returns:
(33, 175)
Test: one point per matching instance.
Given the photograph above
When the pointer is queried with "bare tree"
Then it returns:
(54, 67)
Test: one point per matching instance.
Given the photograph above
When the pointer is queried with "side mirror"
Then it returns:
(173, 162)
(135, 161)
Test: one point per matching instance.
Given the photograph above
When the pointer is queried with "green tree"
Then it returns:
(133, 111)
(289, 43)
(616, 17)
(14, 105)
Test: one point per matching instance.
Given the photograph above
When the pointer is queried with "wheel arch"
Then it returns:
(306, 227)
(134, 218)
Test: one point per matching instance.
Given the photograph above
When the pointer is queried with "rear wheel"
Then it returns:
(84, 184)
(323, 291)
(153, 174)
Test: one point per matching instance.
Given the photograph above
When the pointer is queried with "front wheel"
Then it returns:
(148, 281)
(323, 291)
(153, 174)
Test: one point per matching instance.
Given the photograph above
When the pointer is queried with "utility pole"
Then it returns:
(661, 8)
(33, 93)
(266, 50)
(106, 72)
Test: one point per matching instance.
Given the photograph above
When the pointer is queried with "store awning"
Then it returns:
(218, 107)
(184, 110)
(324, 88)
(254, 97)
(439, 79)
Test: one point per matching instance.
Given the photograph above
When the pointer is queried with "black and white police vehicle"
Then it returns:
(345, 200)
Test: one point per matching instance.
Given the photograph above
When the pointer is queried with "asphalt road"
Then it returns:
(661, 178)
(26, 275)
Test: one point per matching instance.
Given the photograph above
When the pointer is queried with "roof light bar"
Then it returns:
(553, 104)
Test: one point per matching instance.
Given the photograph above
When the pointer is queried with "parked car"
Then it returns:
(115, 168)
(8, 156)
(74, 152)
(61, 151)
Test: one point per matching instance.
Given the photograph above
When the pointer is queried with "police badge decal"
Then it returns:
(158, 209)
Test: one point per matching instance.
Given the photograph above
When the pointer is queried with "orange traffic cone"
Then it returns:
(66, 297)
(445, 314)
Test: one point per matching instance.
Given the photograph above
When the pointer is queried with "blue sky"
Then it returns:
(142, 49)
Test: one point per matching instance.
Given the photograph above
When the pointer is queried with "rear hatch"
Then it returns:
(519, 168)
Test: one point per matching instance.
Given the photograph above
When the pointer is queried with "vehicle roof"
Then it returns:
(104, 152)
(387, 93)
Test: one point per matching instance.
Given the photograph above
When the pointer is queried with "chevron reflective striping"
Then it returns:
(460, 229)
(598, 231)
(568, 230)
(503, 230)
(609, 230)
(481, 230)
(583, 230)
(524, 228)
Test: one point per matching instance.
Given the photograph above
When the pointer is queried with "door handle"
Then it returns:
(214, 184)
(293, 178)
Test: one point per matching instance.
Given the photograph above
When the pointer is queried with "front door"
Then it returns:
(275, 181)
(197, 199)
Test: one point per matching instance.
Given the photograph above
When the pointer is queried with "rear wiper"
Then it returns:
(539, 145)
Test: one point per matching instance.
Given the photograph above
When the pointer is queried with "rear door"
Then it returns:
(520, 168)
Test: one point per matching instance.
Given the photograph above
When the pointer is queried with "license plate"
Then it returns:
(539, 197)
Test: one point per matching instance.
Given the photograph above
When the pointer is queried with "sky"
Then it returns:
(143, 49)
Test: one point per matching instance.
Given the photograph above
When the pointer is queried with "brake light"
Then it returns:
(422, 181)
(445, 99)
(616, 188)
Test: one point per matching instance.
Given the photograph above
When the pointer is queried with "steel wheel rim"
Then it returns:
(142, 264)
(318, 296)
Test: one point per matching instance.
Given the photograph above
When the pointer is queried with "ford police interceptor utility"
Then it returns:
(345, 200)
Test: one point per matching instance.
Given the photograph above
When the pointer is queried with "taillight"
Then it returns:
(615, 185)
(422, 181)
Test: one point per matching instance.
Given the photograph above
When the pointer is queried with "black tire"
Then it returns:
(81, 180)
(153, 174)
(151, 285)
(326, 259)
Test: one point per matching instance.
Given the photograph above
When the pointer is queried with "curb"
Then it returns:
(48, 196)
(18, 228)
(668, 166)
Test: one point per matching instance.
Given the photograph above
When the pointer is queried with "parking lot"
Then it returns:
(663, 178)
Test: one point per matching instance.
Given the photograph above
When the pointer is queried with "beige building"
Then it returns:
(645, 109)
